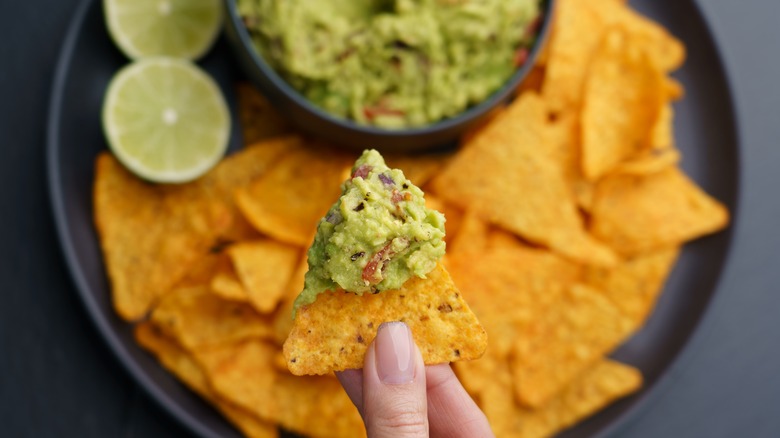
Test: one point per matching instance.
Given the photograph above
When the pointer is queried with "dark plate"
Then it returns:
(706, 133)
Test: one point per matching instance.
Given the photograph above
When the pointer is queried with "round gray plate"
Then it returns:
(705, 130)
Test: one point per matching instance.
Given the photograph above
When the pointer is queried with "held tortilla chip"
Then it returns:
(264, 267)
(509, 176)
(333, 333)
(639, 213)
(623, 95)
(571, 336)
(196, 318)
(181, 364)
(287, 201)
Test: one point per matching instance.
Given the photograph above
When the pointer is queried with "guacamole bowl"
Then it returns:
(298, 97)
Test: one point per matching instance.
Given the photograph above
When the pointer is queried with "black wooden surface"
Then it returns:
(58, 379)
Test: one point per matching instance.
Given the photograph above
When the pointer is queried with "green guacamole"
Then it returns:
(393, 63)
(375, 237)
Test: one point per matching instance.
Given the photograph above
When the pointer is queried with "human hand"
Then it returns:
(398, 396)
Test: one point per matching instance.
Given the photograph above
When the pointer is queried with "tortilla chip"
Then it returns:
(287, 202)
(509, 176)
(595, 388)
(244, 374)
(565, 136)
(333, 333)
(197, 318)
(570, 337)
(257, 116)
(640, 213)
(264, 268)
(533, 82)
(579, 28)
(620, 77)
(183, 366)
(225, 283)
(418, 169)
(282, 319)
(508, 288)
(665, 51)
(575, 36)
(146, 247)
(635, 285)
(674, 89)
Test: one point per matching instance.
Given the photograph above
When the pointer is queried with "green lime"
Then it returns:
(165, 119)
(177, 28)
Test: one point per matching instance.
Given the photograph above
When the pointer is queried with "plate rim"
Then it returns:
(162, 399)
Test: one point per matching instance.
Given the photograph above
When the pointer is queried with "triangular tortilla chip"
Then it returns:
(264, 267)
(620, 77)
(244, 374)
(509, 175)
(635, 284)
(196, 318)
(595, 388)
(152, 234)
(287, 202)
(333, 333)
(639, 213)
(184, 366)
(569, 338)
(257, 116)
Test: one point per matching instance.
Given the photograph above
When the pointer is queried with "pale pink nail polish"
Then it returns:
(394, 353)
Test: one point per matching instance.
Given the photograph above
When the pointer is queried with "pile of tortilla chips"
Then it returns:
(565, 213)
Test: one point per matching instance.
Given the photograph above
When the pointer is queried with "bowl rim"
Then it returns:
(470, 113)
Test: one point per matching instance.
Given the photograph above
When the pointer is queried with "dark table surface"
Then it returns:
(57, 378)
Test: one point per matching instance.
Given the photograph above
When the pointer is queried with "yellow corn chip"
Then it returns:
(569, 338)
(577, 31)
(509, 176)
(674, 89)
(225, 284)
(146, 248)
(264, 267)
(287, 201)
(620, 77)
(180, 363)
(664, 50)
(259, 120)
(418, 169)
(197, 318)
(598, 386)
(151, 235)
(282, 319)
(244, 374)
(565, 136)
(333, 333)
(635, 284)
(508, 288)
(640, 213)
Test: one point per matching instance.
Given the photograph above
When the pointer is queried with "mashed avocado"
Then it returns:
(393, 63)
(375, 237)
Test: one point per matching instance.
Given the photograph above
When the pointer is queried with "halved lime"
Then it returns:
(177, 28)
(165, 119)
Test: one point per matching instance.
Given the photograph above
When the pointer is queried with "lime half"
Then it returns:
(165, 119)
(176, 28)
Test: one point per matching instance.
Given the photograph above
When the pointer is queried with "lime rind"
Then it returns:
(151, 28)
(143, 105)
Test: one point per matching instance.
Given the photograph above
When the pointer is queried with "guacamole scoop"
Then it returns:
(375, 237)
(393, 63)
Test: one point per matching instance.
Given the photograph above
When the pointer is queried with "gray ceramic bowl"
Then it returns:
(317, 121)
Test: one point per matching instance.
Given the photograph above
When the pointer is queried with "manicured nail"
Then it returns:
(394, 353)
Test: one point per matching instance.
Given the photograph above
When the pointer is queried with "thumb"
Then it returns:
(394, 400)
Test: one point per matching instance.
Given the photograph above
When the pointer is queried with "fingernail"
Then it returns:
(394, 353)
